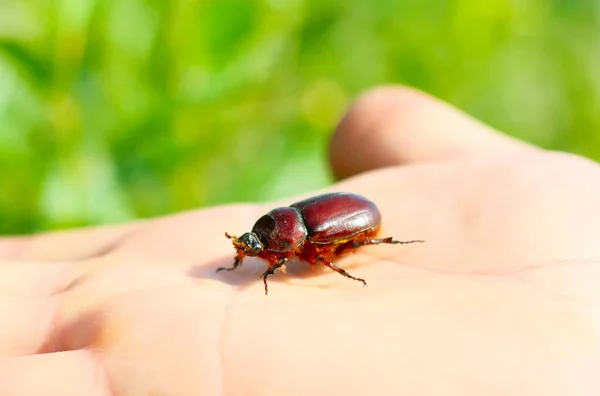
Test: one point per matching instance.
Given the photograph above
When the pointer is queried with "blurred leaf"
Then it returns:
(36, 68)
(225, 26)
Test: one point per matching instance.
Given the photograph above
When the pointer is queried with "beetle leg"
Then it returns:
(339, 270)
(389, 240)
(236, 263)
(271, 271)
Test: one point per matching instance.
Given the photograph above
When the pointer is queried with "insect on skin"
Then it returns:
(315, 230)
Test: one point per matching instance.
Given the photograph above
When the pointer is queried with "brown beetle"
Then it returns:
(315, 230)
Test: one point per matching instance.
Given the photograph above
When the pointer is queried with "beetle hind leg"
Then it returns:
(379, 241)
(339, 270)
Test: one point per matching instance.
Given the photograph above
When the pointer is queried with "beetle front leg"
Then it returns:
(339, 270)
(271, 270)
(236, 263)
(379, 241)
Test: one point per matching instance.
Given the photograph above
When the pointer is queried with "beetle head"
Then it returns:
(248, 243)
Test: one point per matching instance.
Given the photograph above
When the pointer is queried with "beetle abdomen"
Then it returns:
(281, 230)
(337, 216)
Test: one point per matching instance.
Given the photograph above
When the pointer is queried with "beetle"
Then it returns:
(315, 230)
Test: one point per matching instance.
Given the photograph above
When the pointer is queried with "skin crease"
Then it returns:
(502, 299)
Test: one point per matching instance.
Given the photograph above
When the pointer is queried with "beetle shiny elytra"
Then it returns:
(315, 230)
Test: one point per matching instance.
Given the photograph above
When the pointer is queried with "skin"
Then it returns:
(502, 299)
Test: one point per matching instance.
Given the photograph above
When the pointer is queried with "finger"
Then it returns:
(72, 373)
(19, 278)
(75, 244)
(25, 324)
(11, 246)
(391, 126)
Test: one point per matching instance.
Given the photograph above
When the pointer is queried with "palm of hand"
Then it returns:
(499, 300)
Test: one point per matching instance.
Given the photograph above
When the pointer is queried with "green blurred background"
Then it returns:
(112, 110)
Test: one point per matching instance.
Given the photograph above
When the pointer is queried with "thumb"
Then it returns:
(391, 126)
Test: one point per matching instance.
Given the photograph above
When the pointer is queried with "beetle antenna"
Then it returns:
(229, 236)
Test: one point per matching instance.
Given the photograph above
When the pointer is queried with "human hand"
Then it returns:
(501, 299)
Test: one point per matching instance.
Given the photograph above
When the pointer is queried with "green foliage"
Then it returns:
(112, 110)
